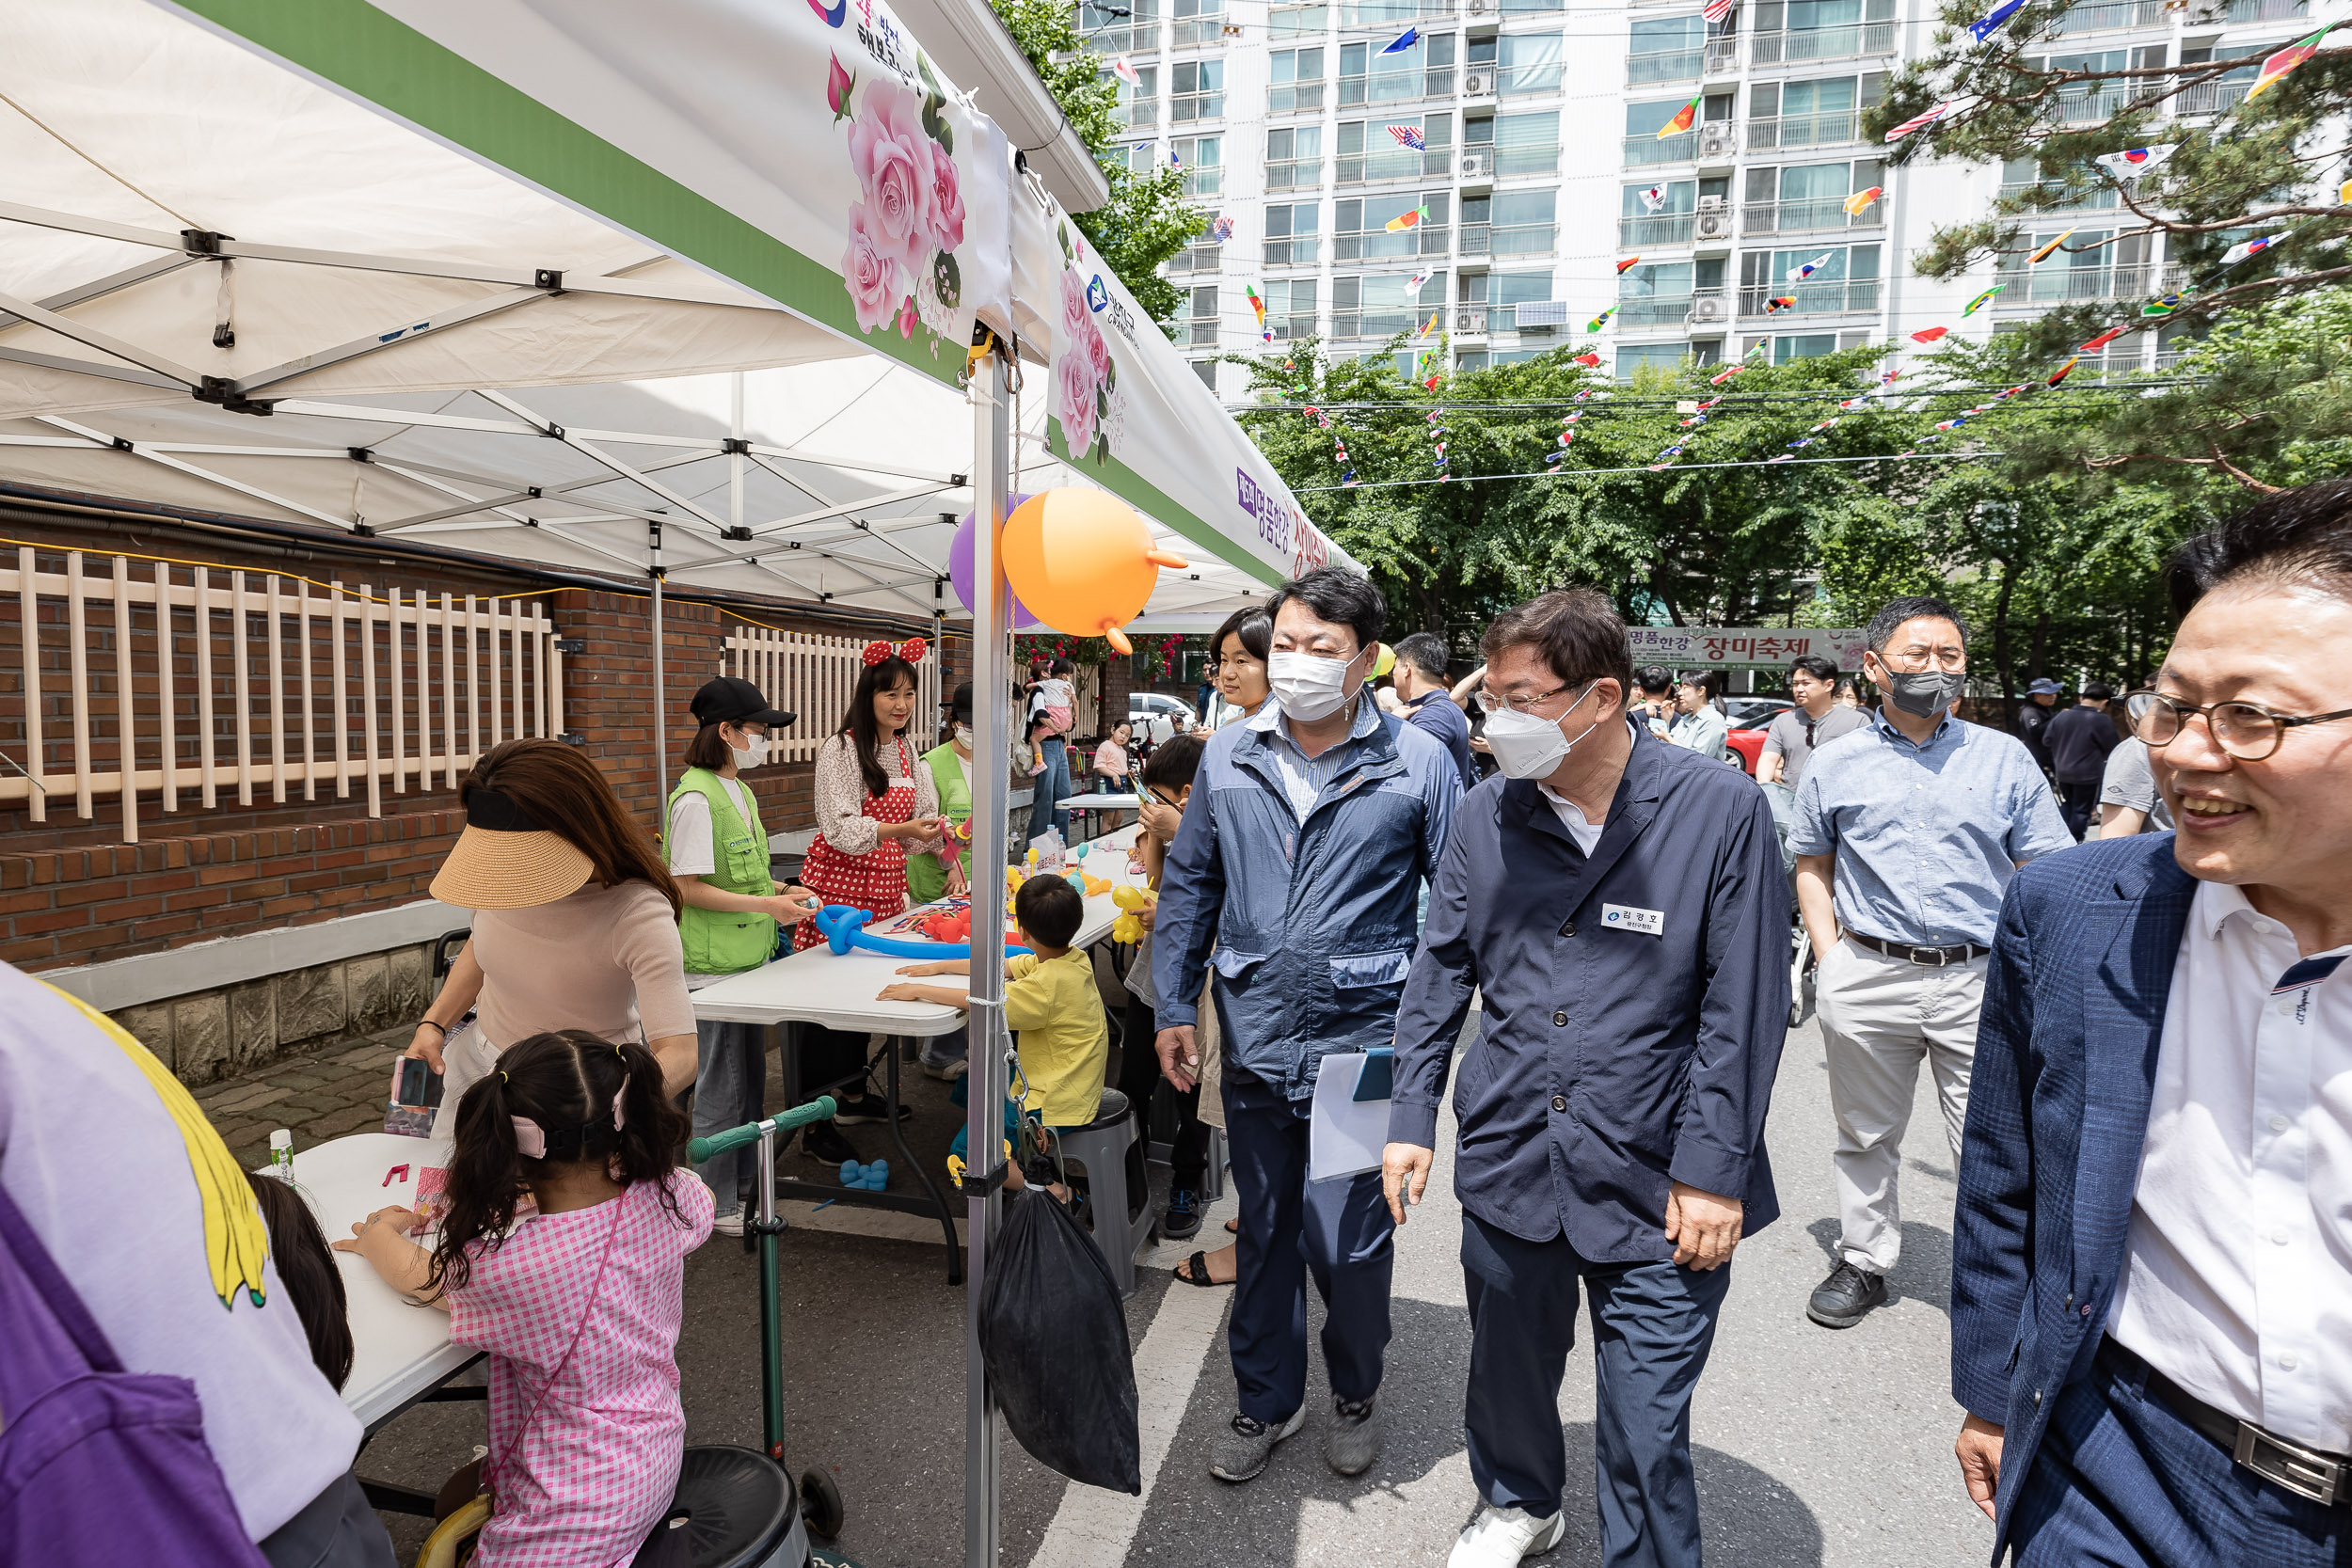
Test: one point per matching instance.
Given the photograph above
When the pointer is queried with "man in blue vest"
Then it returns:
(2152, 1258)
(1294, 876)
(1618, 903)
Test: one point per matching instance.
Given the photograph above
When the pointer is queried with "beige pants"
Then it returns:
(1881, 1018)
(1210, 1039)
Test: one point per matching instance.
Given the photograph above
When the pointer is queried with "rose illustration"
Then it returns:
(1098, 352)
(1073, 400)
(946, 203)
(869, 269)
(1075, 318)
(839, 85)
(891, 154)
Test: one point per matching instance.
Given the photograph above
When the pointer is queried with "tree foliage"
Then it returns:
(1145, 221)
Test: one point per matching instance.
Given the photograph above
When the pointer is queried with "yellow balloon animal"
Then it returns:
(1083, 561)
(1127, 928)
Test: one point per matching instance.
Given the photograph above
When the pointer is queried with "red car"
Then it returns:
(1749, 716)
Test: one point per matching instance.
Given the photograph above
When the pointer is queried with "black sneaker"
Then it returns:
(823, 1141)
(1182, 1220)
(867, 1108)
(1845, 1297)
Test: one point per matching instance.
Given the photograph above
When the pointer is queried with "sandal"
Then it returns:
(1195, 1271)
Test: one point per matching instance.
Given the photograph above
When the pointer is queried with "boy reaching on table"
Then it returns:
(1050, 999)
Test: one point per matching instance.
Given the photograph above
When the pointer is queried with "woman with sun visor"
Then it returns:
(575, 923)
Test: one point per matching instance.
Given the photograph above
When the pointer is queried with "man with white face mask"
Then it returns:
(1293, 877)
(1618, 903)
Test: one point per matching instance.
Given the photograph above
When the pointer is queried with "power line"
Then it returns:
(1646, 468)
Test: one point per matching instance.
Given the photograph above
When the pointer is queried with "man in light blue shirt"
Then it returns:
(1906, 834)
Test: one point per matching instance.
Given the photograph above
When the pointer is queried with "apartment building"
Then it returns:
(1540, 170)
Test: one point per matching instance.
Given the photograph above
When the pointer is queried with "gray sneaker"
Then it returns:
(1249, 1442)
(1354, 1441)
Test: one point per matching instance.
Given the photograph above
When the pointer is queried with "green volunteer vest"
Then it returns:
(926, 879)
(720, 943)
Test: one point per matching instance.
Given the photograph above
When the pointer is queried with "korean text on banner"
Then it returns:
(1720, 648)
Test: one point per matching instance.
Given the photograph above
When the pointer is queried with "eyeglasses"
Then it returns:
(1952, 659)
(2247, 731)
(1493, 702)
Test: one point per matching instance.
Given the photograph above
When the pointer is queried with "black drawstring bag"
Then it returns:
(1054, 1338)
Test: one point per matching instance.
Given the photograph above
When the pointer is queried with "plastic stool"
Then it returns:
(1119, 1193)
(744, 1512)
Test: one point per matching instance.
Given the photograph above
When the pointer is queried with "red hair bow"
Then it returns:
(914, 650)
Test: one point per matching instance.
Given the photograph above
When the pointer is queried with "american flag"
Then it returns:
(1717, 10)
(1408, 136)
(1221, 231)
(1917, 122)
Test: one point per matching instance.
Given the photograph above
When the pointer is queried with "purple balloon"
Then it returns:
(959, 569)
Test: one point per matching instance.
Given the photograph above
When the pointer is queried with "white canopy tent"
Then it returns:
(674, 291)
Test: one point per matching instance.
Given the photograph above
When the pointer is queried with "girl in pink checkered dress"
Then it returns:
(577, 1304)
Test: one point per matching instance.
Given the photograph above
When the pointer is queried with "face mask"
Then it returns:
(1308, 687)
(964, 735)
(752, 759)
(1527, 747)
(1929, 691)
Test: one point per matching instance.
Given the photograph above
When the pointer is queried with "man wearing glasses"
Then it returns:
(1793, 736)
(1906, 834)
(2152, 1261)
(1618, 903)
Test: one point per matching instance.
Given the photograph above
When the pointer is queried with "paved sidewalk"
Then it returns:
(344, 1089)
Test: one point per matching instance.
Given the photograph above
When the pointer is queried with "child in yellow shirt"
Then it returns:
(1050, 1001)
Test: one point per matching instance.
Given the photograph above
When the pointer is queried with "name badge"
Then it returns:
(1619, 917)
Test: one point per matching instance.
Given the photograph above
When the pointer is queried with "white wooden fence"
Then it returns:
(812, 679)
(186, 683)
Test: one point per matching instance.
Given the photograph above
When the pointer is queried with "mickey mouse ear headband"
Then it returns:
(914, 650)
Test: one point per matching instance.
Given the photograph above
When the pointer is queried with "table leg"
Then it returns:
(947, 1215)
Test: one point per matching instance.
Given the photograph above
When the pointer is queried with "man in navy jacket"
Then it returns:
(2152, 1256)
(1618, 903)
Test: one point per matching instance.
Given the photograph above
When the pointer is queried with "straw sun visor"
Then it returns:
(506, 860)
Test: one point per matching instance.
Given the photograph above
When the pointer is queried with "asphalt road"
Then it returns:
(1812, 1447)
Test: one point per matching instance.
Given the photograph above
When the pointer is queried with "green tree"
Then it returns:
(1145, 221)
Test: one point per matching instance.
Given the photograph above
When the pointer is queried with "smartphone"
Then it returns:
(418, 1085)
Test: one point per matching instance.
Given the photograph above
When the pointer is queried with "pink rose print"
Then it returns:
(906, 320)
(1076, 320)
(947, 204)
(839, 85)
(1073, 399)
(891, 155)
(869, 267)
(1098, 352)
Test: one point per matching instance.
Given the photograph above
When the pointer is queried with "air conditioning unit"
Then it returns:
(1709, 308)
(1540, 313)
(1468, 320)
(1713, 226)
(1478, 84)
(1710, 204)
(1717, 140)
(1473, 165)
(1479, 8)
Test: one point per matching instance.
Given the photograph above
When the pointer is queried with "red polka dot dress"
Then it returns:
(852, 863)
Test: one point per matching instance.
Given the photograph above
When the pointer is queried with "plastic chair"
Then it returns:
(742, 1510)
(1118, 1193)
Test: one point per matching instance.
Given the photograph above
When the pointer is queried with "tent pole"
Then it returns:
(661, 683)
(986, 1072)
(736, 459)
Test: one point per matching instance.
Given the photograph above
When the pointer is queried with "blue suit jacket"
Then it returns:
(1661, 1047)
(2058, 1108)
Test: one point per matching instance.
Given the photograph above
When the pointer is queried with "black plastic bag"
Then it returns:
(1054, 1338)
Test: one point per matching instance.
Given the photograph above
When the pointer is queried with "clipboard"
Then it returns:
(1348, 1126)
(1379, 1079)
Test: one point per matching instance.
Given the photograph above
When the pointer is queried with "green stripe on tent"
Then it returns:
(359, 48)
(1121, 480)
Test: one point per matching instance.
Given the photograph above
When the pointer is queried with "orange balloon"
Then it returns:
(1082, 561)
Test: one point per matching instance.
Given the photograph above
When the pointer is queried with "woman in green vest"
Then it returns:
(717, 851)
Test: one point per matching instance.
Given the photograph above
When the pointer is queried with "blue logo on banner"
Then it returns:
(1098, 297)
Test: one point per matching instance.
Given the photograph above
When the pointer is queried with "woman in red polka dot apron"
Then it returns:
(874, 808)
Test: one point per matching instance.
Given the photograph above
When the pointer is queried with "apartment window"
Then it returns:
(1844, 277)
(1666, 48)
(1197, 90)
(1202, 325)
(1795, 196)
(1531, 8)
(1654, 294)
(1664, 219)
(1290, 308)
(1507, 289)
(1823, 113)
(1198, 22)
(1297, 81)
(1437, 67)
(1649, 357)
(1374, 306)
(1527, 144)
(1528, 64)
(1359, 228)
(1293, 22)
(1523, 222)
(1206, 371)
(1643, 144)
(1138, 157)
(1289, 234)
(1139, 106)
(2092, 265)
(1809, 345)
(1203, 161)
(1294, 158)
(1368, 151)
(2088, 102)
(1481, 56)
(1367, 76)
(1115, 29)
(1470, 360)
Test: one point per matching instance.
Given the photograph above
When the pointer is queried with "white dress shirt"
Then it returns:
(2237, 1281)
(1572, 818)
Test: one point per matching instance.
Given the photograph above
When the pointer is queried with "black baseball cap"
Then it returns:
(959, 701)
(729, 701)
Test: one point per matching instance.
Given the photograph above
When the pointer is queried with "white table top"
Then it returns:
(1099, 802)
(838, 990)
(400, 1350)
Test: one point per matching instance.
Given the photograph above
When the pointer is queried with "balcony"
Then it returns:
(1654, 310)
(2105, 197)
(1428, 238)
(1398, 162)
(1298, 21)
(1205, 181)
(1139, 36)
(1201, 332)
(1392, 13)
(1722, 56)
(1477, 240)
(1188, 107)
(1834, 129)
(1814, 299)
(1298, 250)
(1666, 229)
(2056, 285)
(2090, 106)
(1642, 151)
(1373, 323)
(2112, 15)
(1294, 98)
(1795, 217)
(1295, 174)
(2267, 11)
(1196, 259)
(2209, 98)
(1523, 238)
(1664, 65)
(1524, 158)
(1140, 113)
(1848, 42)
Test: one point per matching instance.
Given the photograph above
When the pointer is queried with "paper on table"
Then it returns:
(1345, 1135)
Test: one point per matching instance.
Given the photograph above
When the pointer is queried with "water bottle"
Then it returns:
(281, 1155)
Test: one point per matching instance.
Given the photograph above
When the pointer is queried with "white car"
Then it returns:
(1144, 708)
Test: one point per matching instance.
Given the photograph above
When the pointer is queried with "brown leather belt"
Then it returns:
(2306, 1472)
(1934, 958)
